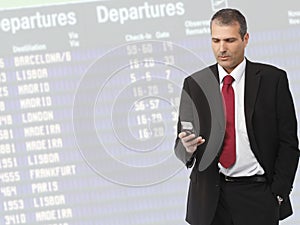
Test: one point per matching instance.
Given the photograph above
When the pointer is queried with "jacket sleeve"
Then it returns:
(185, 114)
(288, 153)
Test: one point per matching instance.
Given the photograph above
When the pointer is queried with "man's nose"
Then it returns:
(222, 46)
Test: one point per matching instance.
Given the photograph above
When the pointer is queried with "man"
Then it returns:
(251, 177)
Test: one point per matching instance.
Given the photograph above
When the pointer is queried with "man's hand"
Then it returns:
(190, 142)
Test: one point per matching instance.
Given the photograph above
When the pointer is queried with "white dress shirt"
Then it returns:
(246, 163)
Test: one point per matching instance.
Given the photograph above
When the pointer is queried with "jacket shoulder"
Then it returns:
(207, 71)
(265, 67)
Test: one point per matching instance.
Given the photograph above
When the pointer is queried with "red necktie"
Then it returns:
(228, 155)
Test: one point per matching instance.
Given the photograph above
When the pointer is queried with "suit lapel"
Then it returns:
(214, 69)
(219, 114)
(252, 82)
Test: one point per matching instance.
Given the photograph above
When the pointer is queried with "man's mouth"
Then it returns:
(223, 57)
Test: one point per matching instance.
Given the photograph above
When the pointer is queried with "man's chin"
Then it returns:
(226, 66)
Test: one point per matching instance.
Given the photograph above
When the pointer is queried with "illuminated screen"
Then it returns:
(89, 96)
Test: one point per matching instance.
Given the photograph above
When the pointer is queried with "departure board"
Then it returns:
(89, 97)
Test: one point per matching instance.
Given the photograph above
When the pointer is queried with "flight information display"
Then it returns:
(89, 97)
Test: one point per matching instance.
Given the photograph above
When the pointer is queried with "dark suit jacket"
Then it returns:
(272, 130)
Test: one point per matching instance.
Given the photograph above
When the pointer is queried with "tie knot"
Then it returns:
(228, 80)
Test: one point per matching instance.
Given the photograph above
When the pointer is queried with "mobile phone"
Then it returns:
(187, 127)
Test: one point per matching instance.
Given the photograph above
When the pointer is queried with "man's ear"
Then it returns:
(246, 38)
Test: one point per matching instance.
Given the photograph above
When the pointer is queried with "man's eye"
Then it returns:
(230, 40)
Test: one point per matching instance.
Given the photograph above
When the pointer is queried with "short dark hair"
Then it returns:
(228, 16)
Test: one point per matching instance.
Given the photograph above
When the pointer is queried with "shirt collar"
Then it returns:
(237, 73)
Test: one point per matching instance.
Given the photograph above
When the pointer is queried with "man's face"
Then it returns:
(227, 45)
